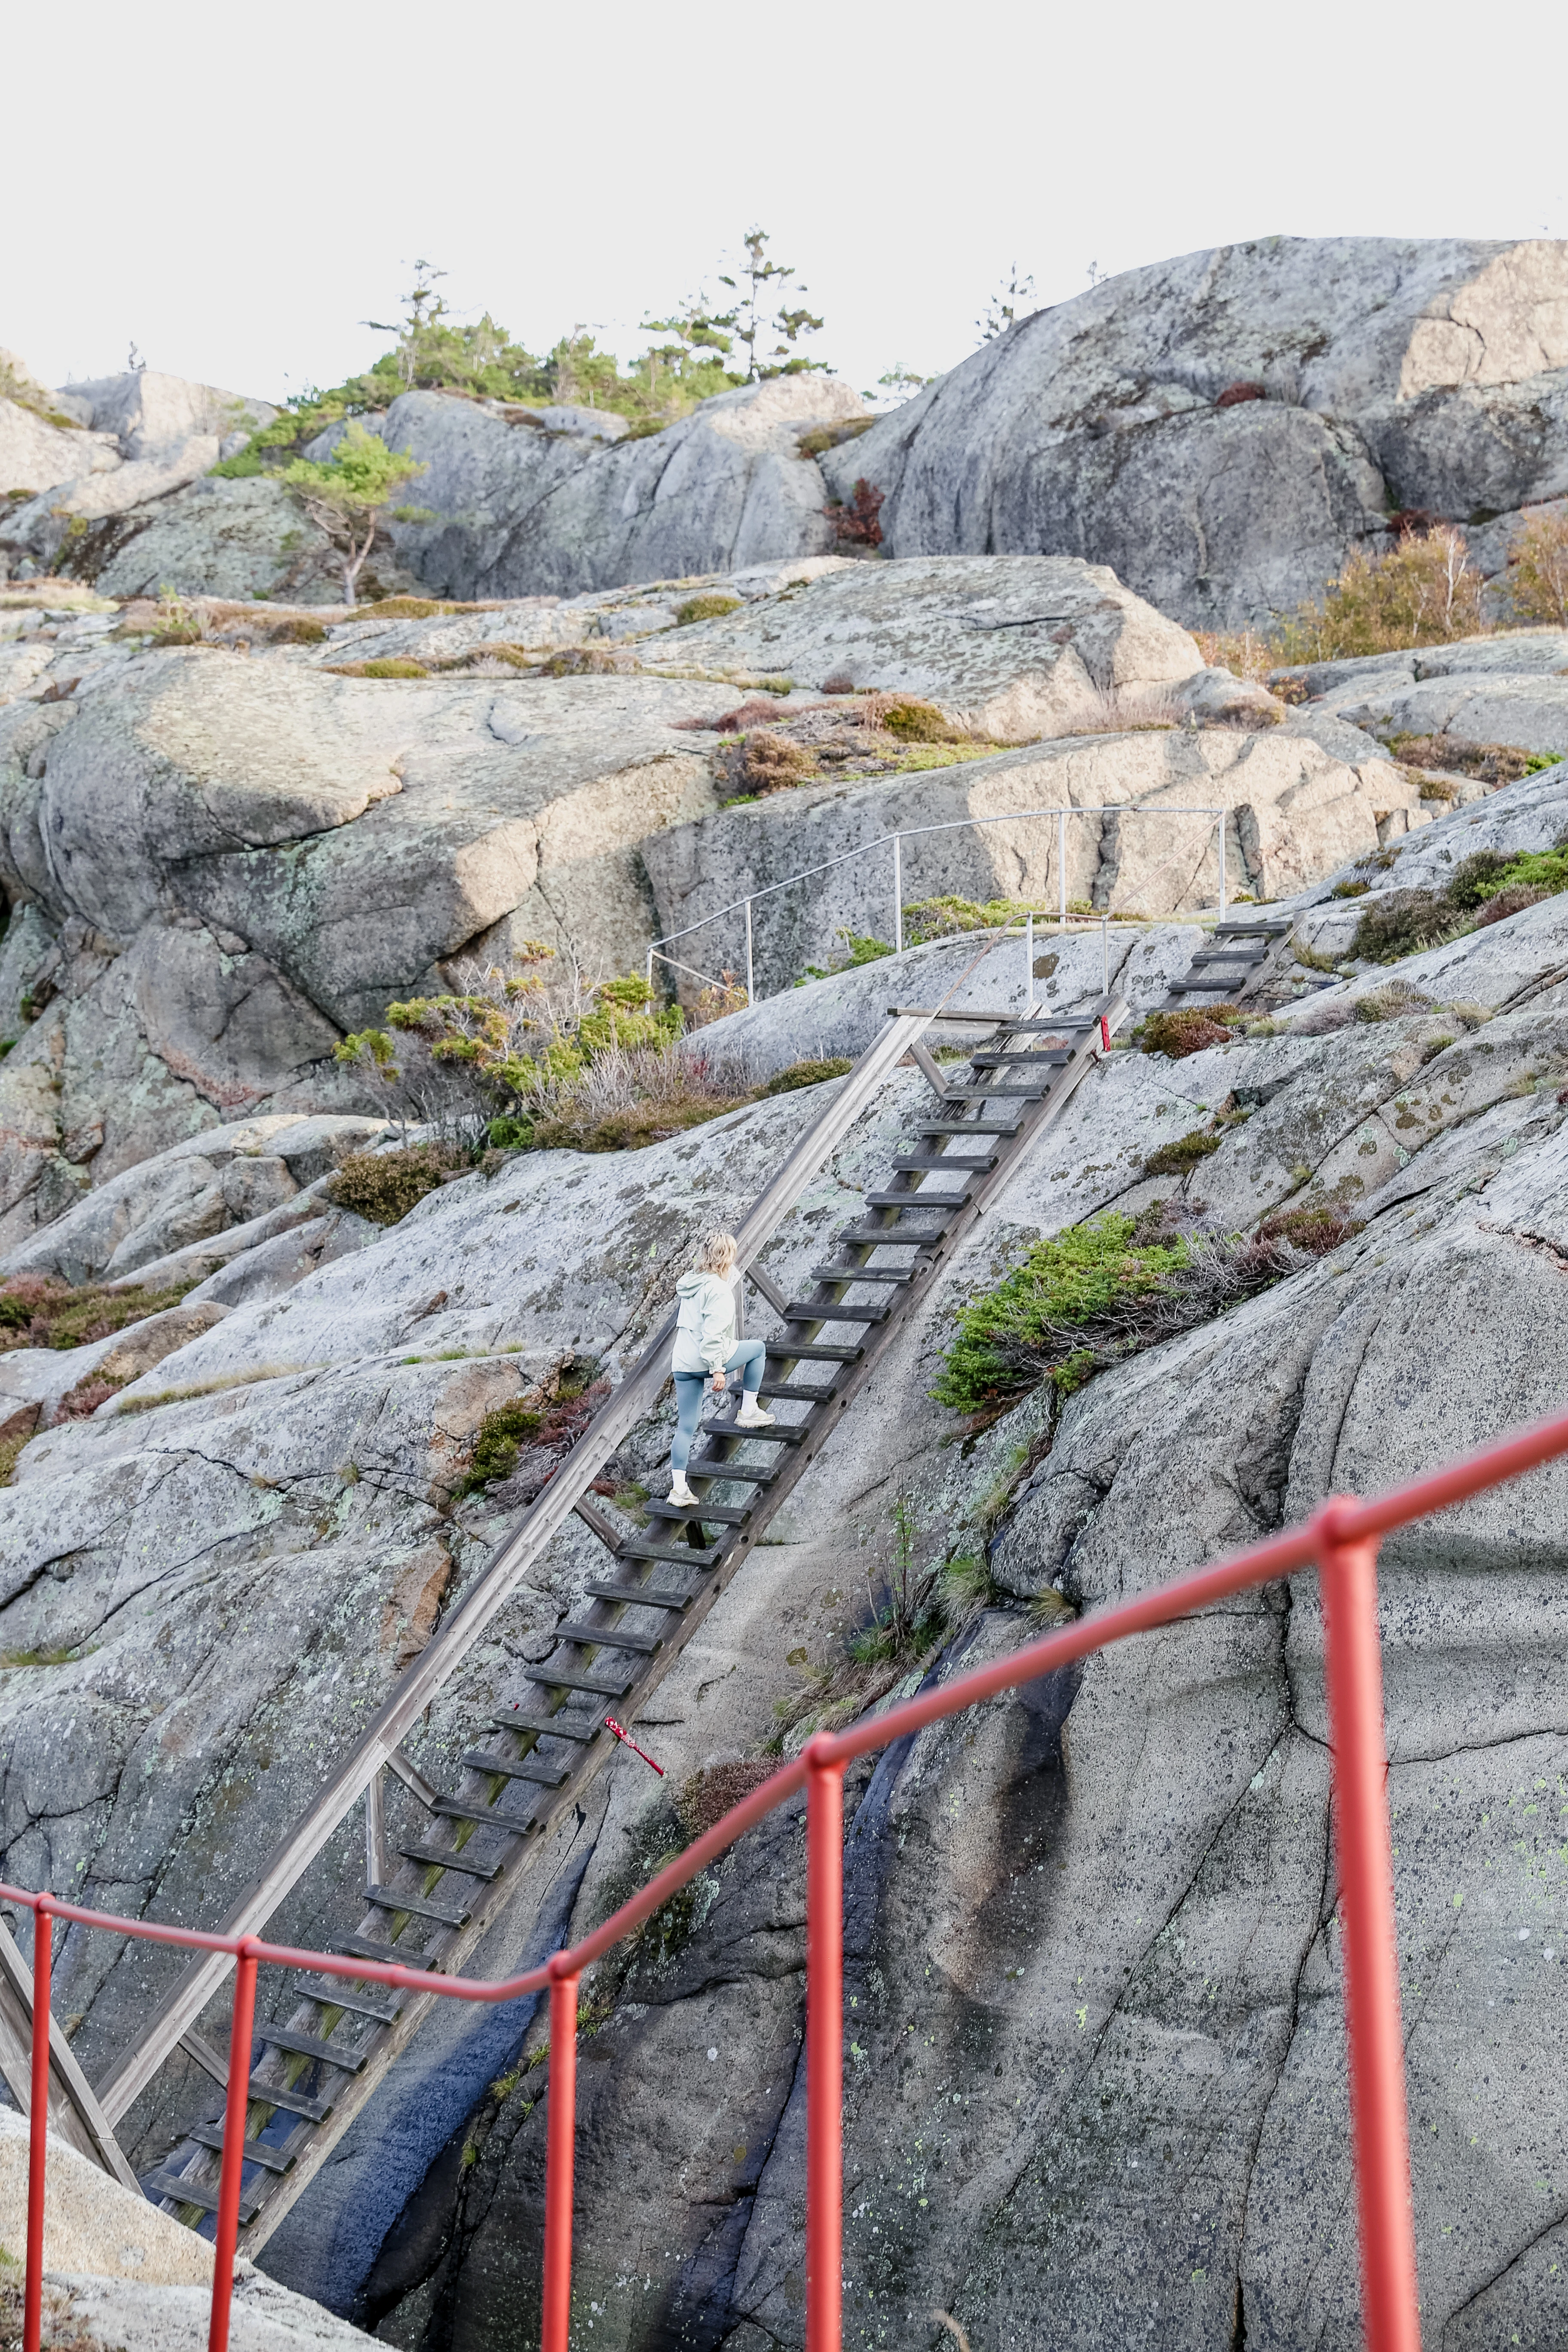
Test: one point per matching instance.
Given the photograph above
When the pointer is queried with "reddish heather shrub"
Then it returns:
(709, 1795)
(1177, 1034)
(1511, 901)
(1235, 393)
(856, 519)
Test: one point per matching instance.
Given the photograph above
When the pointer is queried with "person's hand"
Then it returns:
(721, 1383)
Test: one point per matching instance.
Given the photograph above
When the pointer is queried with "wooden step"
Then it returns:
(812, 1352)
(489, 1817)
(722, 1515)
(912, 1162)
(578, 1678)
(330, 1992)
(644, 1596)
(439, 1857)
(947, 1204)
(311, 2045)
(999, 1058)
(293, 2102)
(796, 1392)
(609, 1637)
(682, 1555)
(563, 1726)
(746, 1472)
(863, 1273)
(516, 1768)
(782, 1433)
(900, 1236)
(418, 1907)
(256, 2151)
(1002, 1126)
(190, 2193)
(833, 1310)
(1034, 1090)
(367, 1948)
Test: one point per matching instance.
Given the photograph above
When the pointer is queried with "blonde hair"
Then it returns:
(716, 1253)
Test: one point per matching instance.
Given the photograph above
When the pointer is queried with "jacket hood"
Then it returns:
(691, 1284)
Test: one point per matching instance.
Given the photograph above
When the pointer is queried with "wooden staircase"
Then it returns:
(429, 1902)
(1239, 955)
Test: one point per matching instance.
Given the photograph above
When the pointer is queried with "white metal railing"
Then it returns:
(896, 842)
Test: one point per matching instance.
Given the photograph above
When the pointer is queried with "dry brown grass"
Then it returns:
(1121, 710)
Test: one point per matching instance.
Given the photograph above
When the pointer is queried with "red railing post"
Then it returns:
(37, 2131)
(236, 2106)
(560, 2155)
(1382, 2144)
(824, 2050)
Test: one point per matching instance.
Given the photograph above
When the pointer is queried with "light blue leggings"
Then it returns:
(748, 1354)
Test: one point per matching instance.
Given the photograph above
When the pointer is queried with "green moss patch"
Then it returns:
(1176, 1158)
(705, 608)
(806, 1073)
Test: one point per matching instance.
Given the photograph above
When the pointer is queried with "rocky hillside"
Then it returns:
(1094, 1952)
(232, 834)
(1221, 429)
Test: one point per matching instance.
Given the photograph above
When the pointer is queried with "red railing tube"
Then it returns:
(37, 2131)
(1382, 2143)
(823, 2051)
(560, 2155)
(236, 2110)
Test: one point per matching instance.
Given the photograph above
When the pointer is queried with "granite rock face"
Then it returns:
(1289, 810)
(1093, 1952)
(224, 855)
(141, 437)
(524, 505)
(1222, 428)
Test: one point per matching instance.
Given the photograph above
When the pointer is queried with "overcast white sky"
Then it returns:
(236, 190)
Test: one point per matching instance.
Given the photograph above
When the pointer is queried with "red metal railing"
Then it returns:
(1341, 1540)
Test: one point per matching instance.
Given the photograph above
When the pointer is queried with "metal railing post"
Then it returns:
(824, 2050)
(1029, 963)
(1223, 819)
(560, 2154)
(1062, 867)
(1348, 1574)
(236, 2106)
(898, 894)
(751, 991)
(1105, 950)
(37, 2133)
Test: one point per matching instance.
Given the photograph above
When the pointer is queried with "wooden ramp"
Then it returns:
(429, 1902)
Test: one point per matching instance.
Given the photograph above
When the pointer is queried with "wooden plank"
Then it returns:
(74, 2112)
(537, 1528)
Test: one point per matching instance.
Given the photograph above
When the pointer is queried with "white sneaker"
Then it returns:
(681, 1493)
(752, 1416)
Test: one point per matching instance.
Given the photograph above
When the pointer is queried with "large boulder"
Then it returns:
(1142, 833)
(1011, 650)
(249, 537)
(1222, 428)
(523, 505)
(139, 437)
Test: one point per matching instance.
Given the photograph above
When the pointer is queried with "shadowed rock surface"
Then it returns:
(1222, 428)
